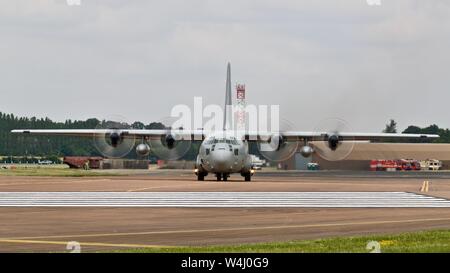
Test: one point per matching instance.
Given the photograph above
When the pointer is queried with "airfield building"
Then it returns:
(363, 153)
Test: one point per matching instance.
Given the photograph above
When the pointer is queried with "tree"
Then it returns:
(432, 129)
(391, 127)
(138, 125)
(412, 130)
(155, 125)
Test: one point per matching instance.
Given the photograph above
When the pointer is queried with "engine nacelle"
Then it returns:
(333, 142)
(115, 139)
(276, 141)
(143, 149)
(306, 151)
(170, 140)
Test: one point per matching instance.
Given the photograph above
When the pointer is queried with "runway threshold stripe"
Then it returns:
(221, 199)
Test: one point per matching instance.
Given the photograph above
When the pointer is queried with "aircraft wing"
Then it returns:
(125, 133)
(385, 136)
(200, 134)
(310, 136)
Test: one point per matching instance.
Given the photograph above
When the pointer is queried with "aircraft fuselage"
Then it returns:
(222, 155)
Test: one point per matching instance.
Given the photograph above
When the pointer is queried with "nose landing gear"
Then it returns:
(221, 176)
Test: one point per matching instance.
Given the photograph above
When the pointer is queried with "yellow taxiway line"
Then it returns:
(82, 243)
(57, 183)
(230, 229)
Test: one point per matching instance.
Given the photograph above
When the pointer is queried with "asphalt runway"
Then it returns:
(222, 199)
(28, 226)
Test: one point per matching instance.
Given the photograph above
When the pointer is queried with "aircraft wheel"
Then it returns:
(225, 177)
(218, 176)
(200, 177)
(248, 177)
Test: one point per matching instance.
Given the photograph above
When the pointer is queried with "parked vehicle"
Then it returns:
(257, 163)
(395, 165)
(408, 165)
(383, 165)
(312, 166)
(431, 165)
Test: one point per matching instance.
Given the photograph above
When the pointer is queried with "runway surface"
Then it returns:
(27, 226)
(223, 199)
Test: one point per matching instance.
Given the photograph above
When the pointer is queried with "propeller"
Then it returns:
(330, 145)
(276, 148)
(174, 144)
(117, 143)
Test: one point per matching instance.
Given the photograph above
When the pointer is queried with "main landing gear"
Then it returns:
(247, 176)
(200, 175)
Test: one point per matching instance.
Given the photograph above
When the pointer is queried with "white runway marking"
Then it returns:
(222, 199)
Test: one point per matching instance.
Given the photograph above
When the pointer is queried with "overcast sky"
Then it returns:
(316, 59)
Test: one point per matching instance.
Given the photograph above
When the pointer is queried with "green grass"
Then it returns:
(53, 171)
(415, 242)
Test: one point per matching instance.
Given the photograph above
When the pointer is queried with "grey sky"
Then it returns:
(317, 59)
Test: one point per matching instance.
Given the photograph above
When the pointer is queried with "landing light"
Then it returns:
(196, 171)
(252, 171)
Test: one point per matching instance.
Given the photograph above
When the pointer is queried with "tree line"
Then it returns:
(45, 146)
(444, 134)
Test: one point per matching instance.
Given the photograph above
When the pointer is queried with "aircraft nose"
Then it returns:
(223, 159)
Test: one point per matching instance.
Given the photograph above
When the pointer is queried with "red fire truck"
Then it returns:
(394, 165)
(408, 165)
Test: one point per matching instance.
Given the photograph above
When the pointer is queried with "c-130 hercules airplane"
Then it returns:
(225, 151)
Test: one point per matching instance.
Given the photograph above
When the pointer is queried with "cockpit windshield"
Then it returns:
(214, 140)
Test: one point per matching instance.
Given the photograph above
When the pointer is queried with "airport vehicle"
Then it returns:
(225, 151)
(312, 166)
(408, 165)
(257, 163)
(395, 165)
(82, 162)
(431, 165)
(45, 162)
(383, 165)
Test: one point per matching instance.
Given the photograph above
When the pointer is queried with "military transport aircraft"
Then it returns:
(225, 151)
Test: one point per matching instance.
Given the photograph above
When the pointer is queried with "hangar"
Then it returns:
(362, 153)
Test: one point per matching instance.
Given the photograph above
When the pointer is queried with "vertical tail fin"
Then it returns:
(227, 112)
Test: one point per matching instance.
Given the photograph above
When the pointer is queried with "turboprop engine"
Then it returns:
(306, 151)
(143, 149)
